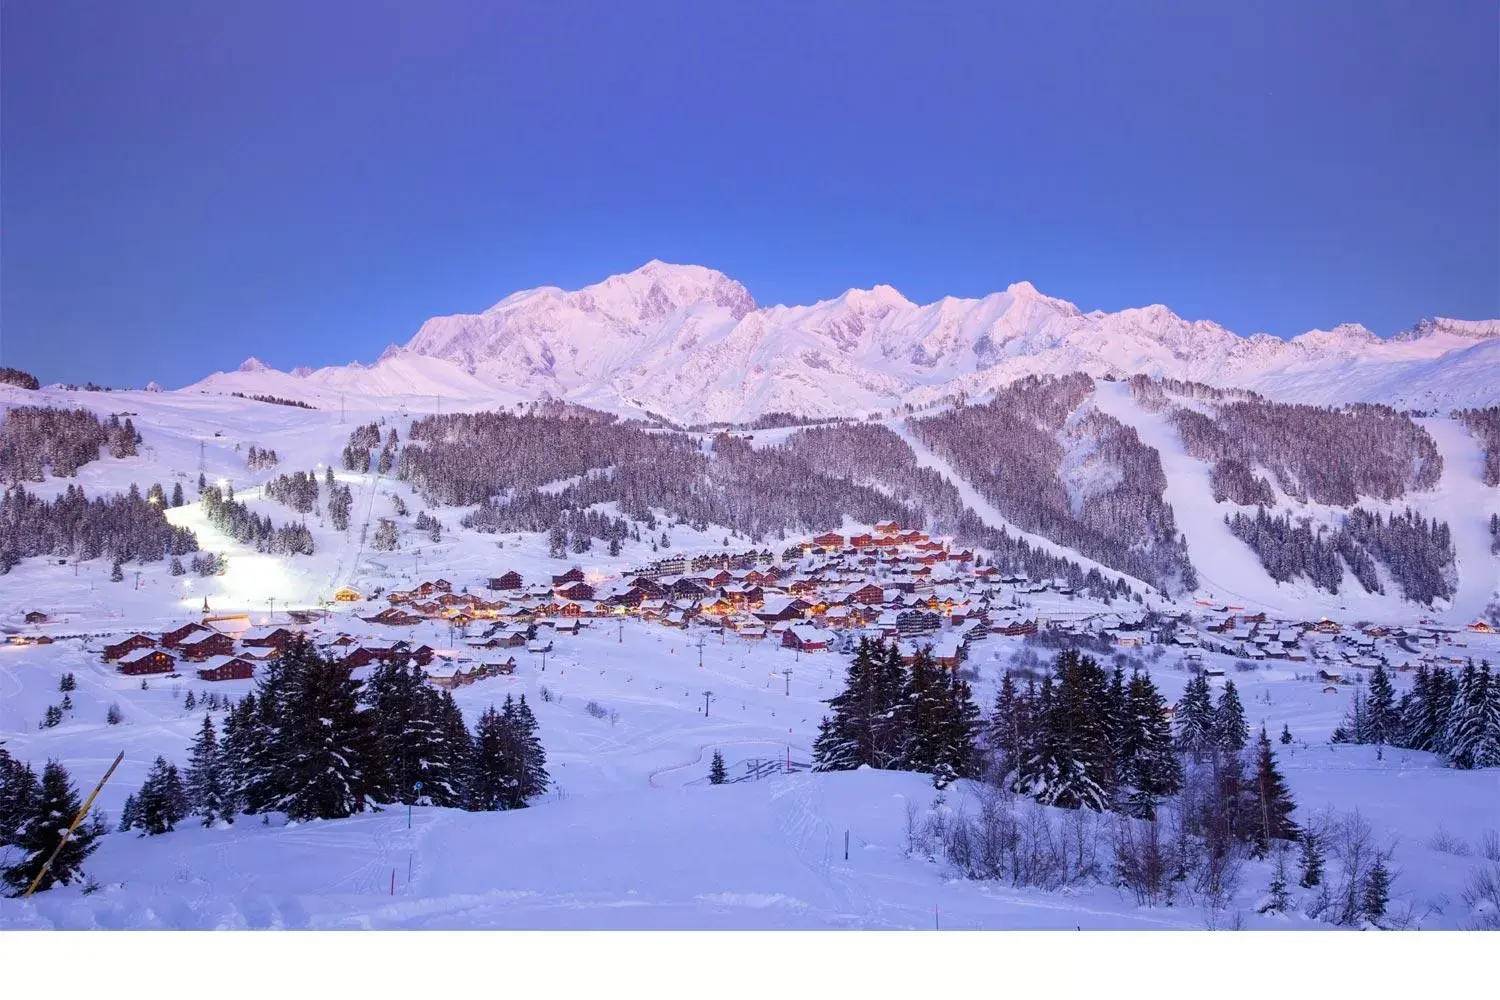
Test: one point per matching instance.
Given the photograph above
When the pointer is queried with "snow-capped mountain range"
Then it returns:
(690, 343)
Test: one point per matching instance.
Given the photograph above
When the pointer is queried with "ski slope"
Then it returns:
(990, 514)
(1466, 503)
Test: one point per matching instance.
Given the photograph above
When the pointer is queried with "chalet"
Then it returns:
(442, 585)
(806, 638)
(861, 541)
(227, 668)
(830, 540)
(179, 637)
(276, 638)
(688, 587)
(574, 575)
(887, 528)
(1016, 626)
(120, 649)
(509, 580)
(576, 591)
(396, 618)
(539, 646)
(347, 595)
(566, 625)
(36, 617)
(782, 610)
(451, 676)
(147, 661)
(201, 648)
(918, 622)
(868, 594)
(1478, 625)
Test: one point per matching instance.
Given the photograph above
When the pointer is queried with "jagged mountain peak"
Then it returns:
(253, 364)
(690, 342)
(1470, 329)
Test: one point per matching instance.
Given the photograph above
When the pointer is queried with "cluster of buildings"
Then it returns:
(894, 584)
(218, 648)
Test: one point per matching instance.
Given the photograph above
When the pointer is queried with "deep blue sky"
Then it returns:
(183, 184)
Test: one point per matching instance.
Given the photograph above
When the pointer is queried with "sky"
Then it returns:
(185, 184)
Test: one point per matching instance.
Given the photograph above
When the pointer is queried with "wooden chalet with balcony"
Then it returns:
(227, 668)
(119, 650)
(146, 661)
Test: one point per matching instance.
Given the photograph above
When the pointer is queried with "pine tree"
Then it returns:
(68, 682)
(176, 567)
(1003, 732)
(162, 800)
(885, 711)
(1230, 731)
(532, 779)
(1286, 734)
(959, 754)
(324, 738)
(846, 738)
(115, 573)
(113, 716)
(189, 701)
(1147, 765)
(926, 704)
(1070, 765)
(1278, 898)
(1376, 894)
(177, 500)
(55, 806)
(205, 776)
(1382, 722)
(448, 771)
(1195, 719)
(404, 731)
(19, 794)
(1269, 807)
(1464, 731)
(1487, 751)
(130, 814)
(717, 773)
(491, 765)
(1310, 861)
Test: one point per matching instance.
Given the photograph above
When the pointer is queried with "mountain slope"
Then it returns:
(692, 344)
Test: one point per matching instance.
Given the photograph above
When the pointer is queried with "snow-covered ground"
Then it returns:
(631, 836)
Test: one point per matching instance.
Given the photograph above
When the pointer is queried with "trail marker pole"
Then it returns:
(68, 833)
(846, 845)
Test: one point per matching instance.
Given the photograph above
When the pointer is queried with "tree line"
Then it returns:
(1417, 552)
(242, 524)
(123, 527)
(1484, 424)
(1327, 455)
(1454, 714)
(34, 439)
(894, 716)
(1021, 450)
